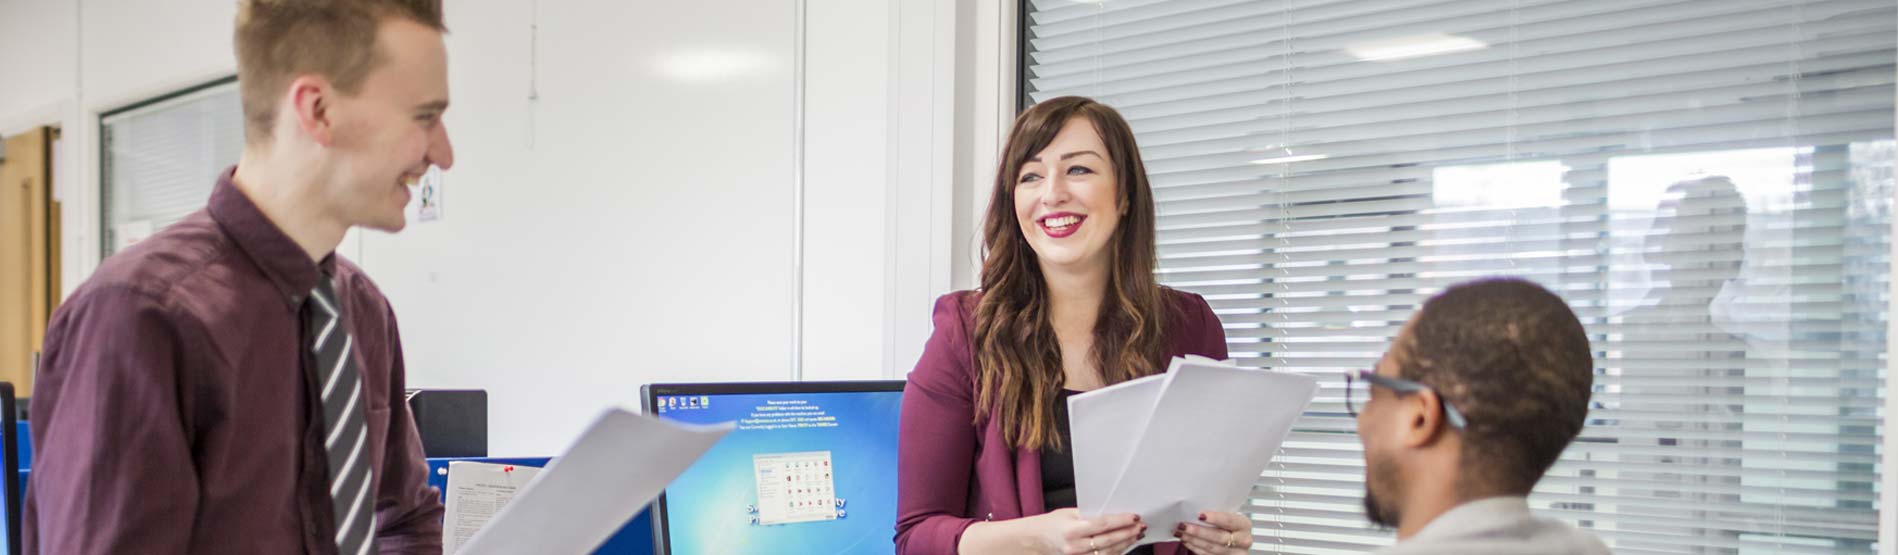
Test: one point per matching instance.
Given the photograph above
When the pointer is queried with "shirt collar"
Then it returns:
(1475, 516)
(282, 261)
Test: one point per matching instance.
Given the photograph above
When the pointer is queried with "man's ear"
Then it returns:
(1423, 418)
(309, 100)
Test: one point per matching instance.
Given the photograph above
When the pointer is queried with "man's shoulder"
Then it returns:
(159, 263)
(1529, 535)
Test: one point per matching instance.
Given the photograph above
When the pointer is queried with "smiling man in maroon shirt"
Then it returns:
(230, 385)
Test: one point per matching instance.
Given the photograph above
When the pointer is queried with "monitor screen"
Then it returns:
(810, 469)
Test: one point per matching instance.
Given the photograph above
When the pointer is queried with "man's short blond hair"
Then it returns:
(278, 40)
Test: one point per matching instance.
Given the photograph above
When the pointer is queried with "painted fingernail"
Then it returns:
(1202, 517)
(1136, 518)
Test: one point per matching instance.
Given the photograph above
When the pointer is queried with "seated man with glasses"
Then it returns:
(1474, 400)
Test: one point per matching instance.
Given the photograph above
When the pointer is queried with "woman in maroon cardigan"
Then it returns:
(1068, 303)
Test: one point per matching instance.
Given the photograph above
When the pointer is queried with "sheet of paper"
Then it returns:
(1099, 458)
(1199, 445)
(476, 491)
(618, 466)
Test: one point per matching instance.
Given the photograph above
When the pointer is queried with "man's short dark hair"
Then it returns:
(1514, 359)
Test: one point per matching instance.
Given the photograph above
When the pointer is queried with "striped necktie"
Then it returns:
(344, 431)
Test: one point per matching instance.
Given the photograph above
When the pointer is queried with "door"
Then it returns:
(29, 226)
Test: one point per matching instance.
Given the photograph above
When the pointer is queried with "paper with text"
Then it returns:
(618, 466)
(476, 491)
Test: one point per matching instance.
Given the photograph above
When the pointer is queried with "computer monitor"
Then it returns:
(10, 464)
(810, 469)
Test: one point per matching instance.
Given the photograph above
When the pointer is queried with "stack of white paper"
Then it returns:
(1169, 446)
(619, 464)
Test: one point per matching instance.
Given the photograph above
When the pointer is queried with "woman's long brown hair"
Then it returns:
(1018, 360)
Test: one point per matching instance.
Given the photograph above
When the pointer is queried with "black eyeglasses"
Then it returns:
(1401, 387)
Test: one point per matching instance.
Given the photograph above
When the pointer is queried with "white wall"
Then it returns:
(128, 47)
(629, 226)
(985, 109)
(847, 104)
(38, 61)
(634, 223)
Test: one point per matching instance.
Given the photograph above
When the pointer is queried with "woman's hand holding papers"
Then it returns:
(1060, 532)
(1224, 534)
(1065, 532)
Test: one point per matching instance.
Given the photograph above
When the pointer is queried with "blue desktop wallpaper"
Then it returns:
(707, 505)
